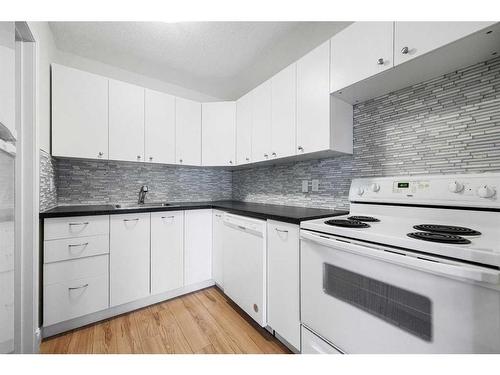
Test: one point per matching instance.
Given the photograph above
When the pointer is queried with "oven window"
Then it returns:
(404, 309)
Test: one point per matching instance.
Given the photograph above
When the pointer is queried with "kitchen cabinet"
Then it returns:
(283, 277)
(197, 246)
(324, 123)
(218, 133)
(7, 76)
(218, 248)
(129, 257)
(261, 122)
(188, 132)
(167, 251)
(159, 127)
(361, 50)
(283, 112)
(126, 121)
(413, 39)
(244, 129)
(79, 114)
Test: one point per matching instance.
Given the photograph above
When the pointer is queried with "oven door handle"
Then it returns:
(461, 271)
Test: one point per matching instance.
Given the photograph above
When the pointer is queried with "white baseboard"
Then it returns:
(117, 310)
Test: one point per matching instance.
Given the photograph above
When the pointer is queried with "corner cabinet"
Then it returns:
(188, 132)
(79, 114)
(218, 134)
(126, 121)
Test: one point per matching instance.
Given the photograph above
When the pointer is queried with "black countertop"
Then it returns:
(289, 214)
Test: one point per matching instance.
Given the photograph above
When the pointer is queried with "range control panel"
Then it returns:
(475, 190)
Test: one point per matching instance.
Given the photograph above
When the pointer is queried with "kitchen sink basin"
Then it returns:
(143, 205)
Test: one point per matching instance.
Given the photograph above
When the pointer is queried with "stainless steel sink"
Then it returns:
(143, 205)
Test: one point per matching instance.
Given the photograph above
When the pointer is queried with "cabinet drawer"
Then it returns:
(75, 288)
(73, 269)
(73, 248)
(70, 227)
(74, 298)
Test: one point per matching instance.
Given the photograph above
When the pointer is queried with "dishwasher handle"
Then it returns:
(445, 269)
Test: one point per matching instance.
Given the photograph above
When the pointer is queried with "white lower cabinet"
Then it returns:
(197, 246)
(283, 309)
(167, 251)
(129, 257)
(313, 344)
(218, 248)
(74, 288)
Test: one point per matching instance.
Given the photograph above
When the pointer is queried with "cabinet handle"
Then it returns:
(273, 154)
(78, 287)
(280, 230)
(150, 158)
(242, 227)
(167, 217)
(100, 154)
(266, 156)
(380, 61)
(180, 160)
(405, 50)
(230, 162)
(138, 157)
(80, 244)
(247, 158)
(136, 219)
(84, 223)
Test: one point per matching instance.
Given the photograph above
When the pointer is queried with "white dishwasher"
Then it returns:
(245, 264)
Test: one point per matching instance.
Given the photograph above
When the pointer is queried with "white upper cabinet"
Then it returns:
(261, 122)
(283, 112)
(218, 133)
(313, 100)
(188, 132)
(126, 121)
(159, 127)
(79, 114)
(412, 39)
(360, 51)
(244, 129)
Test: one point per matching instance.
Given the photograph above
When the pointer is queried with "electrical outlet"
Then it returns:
(305, 186)
(314, 185)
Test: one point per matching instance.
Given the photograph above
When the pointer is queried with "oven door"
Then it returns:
(371, 299)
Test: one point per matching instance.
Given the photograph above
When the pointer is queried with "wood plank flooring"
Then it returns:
(201, 322)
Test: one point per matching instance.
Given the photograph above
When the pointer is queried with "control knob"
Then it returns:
(455, 187)
(486, 191)
(360, 191)
(374, 187)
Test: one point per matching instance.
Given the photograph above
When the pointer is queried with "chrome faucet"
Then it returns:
(142, 194)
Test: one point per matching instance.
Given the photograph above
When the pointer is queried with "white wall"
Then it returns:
(48, 53)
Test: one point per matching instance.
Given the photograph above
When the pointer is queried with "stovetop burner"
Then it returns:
(347, 223)
(439, 237)
(447, 229)
(364, 218)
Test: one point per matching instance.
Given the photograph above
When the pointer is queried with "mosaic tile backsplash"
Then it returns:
(450, 124)
(48, 193)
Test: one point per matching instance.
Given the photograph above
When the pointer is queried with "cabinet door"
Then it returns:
(313, 101)
(218, 133)
(360, 51)
(261, 122)
(79, 114)
(159, 127)
(126, 121)
(129, 257)
(167, 251)
(283, 280)
(188, 132)
(7, 76)
(244, 129)
(283, 112)
(197, 246)
(218, 248)
(412, 39)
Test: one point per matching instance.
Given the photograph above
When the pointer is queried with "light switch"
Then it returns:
(305, 186)
(314, 185)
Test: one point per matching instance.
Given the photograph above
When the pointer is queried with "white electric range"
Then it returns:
(414, 267)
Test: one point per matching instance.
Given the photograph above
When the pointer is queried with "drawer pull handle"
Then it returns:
(84, 223)
(136, 219)
(280, 230)
(80, 244)
(167, 217)
(78, 287)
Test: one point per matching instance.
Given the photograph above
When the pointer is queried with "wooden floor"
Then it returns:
(201, 322)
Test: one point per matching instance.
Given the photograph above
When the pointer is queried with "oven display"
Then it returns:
(403, 185)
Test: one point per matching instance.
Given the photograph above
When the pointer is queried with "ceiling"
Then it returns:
(220, 59)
